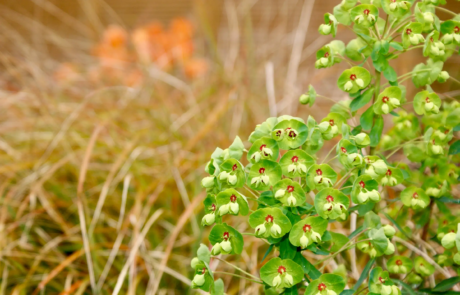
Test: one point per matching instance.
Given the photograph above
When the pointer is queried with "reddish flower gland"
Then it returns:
(344, 150)
(262, 170)
(306, 227)
(393, 1)
(213, 207)
(321, 287)
(226, 235)
(235, 167)
(456, 29)
(389, 172)
(385, 99)
(381, 280)
(352, 77)
(447, 131)
(330, 198)
(292, 134)
(326, 54)
(319, 172)
(262, 146)
(408, 31)
(290, 189)
(281, 270)
(427, 100)
(398, 262)
(233, 198)
(362, 184)
(366, 11)
(269, 218)
(415, 196)
(433, 141)
(278, 133)
(203, 271)
(444, 222)
(431, 39)
(331, 122)
(294, 159)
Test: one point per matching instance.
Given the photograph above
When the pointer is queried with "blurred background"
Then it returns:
(109, 111)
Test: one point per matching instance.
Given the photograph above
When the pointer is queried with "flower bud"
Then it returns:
(385, 108)
(208, 182)
(194, 262)
(304, 241)
(275, 230)
(288, 280)
(394, 101)
(316, 237)
(260, 229)
(292, 168)
(232, 179)
(265, 179)
(276, 281)
(429, 106)
(443, 76)
(363, 197)
(234, 207)
(395, 290)
(457, 258)
(432, 191)
(393, 6)
(327, 207)
(413, 39)
(324, 126)
(358, 19)
(360, 82)
(226, 246)
(224, 209)
(325, 29)
(428, 17)
(348, 86)
(374, 195)
(256, 157)
(389, 230)
(337, 208)
(302, 167)
(223, 175)
(291, 201)
(362, 139)
(199, 280)
(437, 149)
(304, 99)
(390, 249)
(279, 193)
(208, 219)
(448, 241)
(380, 167)
(216, 249)
(386, 290)
(373, 253)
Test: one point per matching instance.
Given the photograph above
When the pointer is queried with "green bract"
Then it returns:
(264, 148)
(307, 231)
(364, 15)
(388, 100)
(412, 35)
(309, 97)
(397, 8)
(231, 202)
(295, 163)
(226, 240)
(332, 204)
(451, 32)
(270, 222)
(380, 283)
(329, 26)
(330, 54)
(415, 197)
(422, 267)
(325, 284)
(321, 176)
(392, 177)
(289, 192)
(365, 189)
(281, 273)
(263, 175)
(399, 265)
(354, 79)
(290, 134)
(426, 103)
(231, 174)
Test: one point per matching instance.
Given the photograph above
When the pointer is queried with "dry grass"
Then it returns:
(99, 182)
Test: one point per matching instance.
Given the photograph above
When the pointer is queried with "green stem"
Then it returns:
(330, 151)
(237, 268)
(376, 94)
(410, 48)
(238, 276)
(446, 10)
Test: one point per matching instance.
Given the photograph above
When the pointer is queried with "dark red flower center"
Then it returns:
(213, 207)
(398, 262)
(352, 77)
(408, 31)
(331, 122)
(385, 99)
(203, 271)
(381, 280)
(389, 172)
(292, 134)
(269, 218)
(326, 54)
(262, 146)
(235, 167)
(366, 11)
(427, 100)
(306, 227)
(362, 184)
(344, 150)
(294, 159)
(456, 29)
(330, 198)
(233, 198)
(290, 189)
(433, 142)
(319, 172)
(262, 170)
(415, 196)
(278, 133)
(431, 39)
(281, 269)
(321, 287)
(226, 235)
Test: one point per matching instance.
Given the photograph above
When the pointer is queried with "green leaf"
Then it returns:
(364, 274)
(362, 100)
(287, 250)
(263, 129)
(338, 241)
(203, 253)
(307, 267)
(449, 200)
(376, 131)
(357, 231)
(390, 74)
(453, 119)
(378, 239)
(372, 220)
(406, 287)
(396, 46)
(454, 148)
(268, 252)
(446, 284)
(236, 149)
(218, 287)
(367, 118)
(408, 235)
(269, 271)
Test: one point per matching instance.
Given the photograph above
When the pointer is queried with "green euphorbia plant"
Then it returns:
(405, 224)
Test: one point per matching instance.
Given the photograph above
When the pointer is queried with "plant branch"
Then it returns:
(238, 276)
